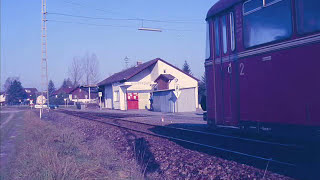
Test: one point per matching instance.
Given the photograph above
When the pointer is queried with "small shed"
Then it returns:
(174, 100)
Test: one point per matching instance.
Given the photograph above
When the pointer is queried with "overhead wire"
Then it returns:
(107, 25)
(115, 19)
(125, 19)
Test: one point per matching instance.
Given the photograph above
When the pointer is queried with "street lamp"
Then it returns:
(149, 29)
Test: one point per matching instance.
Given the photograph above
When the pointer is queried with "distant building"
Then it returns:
(133, 88)
(81, 94)
(2, 98)
(32, 94)
(62, 91)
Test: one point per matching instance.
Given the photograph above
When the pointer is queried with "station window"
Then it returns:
(308, 16)
(216, 37)
(116, 96)
(232, 39)
(270, 23)
(224, 33)
(208, 53)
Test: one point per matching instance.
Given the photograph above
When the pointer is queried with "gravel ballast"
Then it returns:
(163, 159)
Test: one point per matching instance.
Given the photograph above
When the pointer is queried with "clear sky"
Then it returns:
(183, 36)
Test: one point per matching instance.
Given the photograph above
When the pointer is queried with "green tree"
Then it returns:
(51, 88)
(8, 83)
(186, 68)
(16, 93)
(67, 83)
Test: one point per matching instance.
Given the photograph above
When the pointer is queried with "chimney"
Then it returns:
(139, 63)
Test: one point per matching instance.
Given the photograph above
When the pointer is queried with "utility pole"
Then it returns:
(44, 63)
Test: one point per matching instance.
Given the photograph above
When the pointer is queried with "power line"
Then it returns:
(126, 19)
(91, 24)
(117, 26)
(108, 11)
(98, 18)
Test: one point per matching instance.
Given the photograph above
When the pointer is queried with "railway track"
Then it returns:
(287, 159)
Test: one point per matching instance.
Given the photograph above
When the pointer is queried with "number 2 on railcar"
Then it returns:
(263, 65)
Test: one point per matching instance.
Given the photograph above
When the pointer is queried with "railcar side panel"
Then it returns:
(282, 87)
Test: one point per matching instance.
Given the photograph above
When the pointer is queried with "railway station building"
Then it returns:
(155, 85)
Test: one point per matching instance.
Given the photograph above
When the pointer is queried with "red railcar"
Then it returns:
(263, 64)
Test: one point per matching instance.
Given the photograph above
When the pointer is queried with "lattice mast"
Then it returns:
(44, 63)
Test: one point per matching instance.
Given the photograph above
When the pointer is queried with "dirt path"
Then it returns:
(7, 120)
(10, 134)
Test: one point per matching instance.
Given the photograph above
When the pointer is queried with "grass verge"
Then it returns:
(50, 151)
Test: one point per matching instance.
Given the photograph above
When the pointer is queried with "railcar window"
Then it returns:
(270, 23)
(252, 5)
(216, 36)
(269, 2)
(232, 39)
(308, 16)
(208, 53)
(224, 33)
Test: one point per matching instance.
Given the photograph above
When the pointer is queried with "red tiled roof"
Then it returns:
(129, 73)
(63, 90)
(166, 76)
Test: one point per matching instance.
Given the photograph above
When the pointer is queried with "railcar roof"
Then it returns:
(220, 6)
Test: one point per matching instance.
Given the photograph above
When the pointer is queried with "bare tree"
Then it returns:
(75, 71)
(90, 69)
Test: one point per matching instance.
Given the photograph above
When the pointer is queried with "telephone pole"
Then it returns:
(44, 63)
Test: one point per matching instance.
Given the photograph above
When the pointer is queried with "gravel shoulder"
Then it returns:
(164, 159)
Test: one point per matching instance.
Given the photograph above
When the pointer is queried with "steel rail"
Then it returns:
(200, 132)
(190, 142)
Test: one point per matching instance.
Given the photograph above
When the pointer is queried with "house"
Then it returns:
(60, 96)
(31, 95)
(133, 88)
(2, 98)
(62, 91)
(31, 92)
(81, 94)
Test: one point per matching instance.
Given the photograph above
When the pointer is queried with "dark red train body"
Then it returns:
(263, 64)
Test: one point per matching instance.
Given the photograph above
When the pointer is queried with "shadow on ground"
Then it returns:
(309, 162)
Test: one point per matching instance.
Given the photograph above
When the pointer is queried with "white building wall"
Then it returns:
(184, 81)
(116, 101)
(141, 81)
(108, 96)
(2, 98)
(123, 98)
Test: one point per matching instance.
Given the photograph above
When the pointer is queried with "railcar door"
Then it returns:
(229, 73)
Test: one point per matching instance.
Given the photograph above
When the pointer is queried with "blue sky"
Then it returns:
(21, 23)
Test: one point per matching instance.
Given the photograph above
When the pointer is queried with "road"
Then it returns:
(11, 124)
